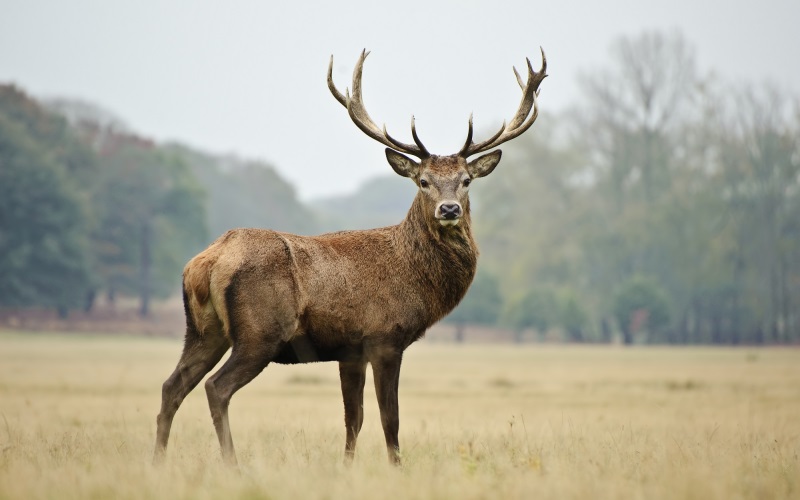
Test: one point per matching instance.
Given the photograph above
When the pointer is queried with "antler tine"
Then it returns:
(527, 100)
(338, 95)
(471, 148)
(468, 142)
(358, 113)
(416, 137)
(404, 147)
(516, 73)
(521, 121)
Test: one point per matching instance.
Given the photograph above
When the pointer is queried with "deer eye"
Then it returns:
(423, 183)
(467, 181)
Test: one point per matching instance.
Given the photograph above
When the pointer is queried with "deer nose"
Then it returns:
(450, 211)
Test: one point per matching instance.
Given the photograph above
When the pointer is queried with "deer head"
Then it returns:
(443, 181)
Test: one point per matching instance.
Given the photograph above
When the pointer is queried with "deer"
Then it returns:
(355, 297)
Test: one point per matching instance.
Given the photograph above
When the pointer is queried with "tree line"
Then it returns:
(663, 207)
(88, 207)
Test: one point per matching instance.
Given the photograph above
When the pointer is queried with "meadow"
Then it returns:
(477, 421)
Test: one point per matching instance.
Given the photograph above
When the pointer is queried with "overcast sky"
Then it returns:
(248, 77)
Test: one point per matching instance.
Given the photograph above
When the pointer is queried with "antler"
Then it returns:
(358, 113)
(519, 124)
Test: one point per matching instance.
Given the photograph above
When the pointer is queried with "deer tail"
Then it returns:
(197, 291)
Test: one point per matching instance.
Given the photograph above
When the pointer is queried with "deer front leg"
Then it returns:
(352, 375)
(386, 371)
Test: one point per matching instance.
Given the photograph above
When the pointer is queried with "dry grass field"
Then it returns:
(477, 421)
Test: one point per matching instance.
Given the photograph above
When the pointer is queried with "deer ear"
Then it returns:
(483, 165)
(402, 164)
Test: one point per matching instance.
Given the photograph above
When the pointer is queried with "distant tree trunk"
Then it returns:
(627, 335)
(575, 335)
(716, 329)
(775, 308)
(145, 270)
(785, 310)
(88, 303)
(683, 331)
(758, 338)
(735, 334)
(605, 331)
(459, 336)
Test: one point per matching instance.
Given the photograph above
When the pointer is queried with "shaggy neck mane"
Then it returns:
(444, 257)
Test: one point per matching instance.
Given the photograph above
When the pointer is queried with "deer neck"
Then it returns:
(443, 257)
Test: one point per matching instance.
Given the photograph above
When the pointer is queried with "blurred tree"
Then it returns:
(572, 316)
(51, 135)
(153, 204)
(537, 309)
(481, 305)
(645, 215)
(526, 215)
(151, 217)
(630, 109)
(43, 213)
(665, 173)
(640, 305)
(245, 194)
(759, 178)
(380, 201)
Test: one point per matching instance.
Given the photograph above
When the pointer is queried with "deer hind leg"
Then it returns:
(352, 375)
(386, 372)
(247, 360)
(200, 355)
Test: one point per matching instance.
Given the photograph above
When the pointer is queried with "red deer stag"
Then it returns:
(355, 297)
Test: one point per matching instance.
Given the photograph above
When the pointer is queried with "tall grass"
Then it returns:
(488, 421)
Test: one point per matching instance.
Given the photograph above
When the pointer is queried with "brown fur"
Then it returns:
(336, 288)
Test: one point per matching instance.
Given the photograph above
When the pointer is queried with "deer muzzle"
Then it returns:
(448, 213)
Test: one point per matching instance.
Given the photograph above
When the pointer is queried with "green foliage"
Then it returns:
(43, 227)
(641, 305)
(481, 304)
(50, 134)
(525, 211)
(86, 207)
(537, 309)
(159, 202)
(659, 172)
(572, 316)
(151, 218)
